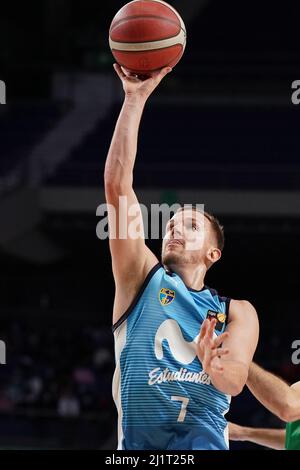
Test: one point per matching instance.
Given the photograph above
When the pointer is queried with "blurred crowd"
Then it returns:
(59, 369)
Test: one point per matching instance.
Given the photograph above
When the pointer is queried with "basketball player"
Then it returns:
(171, 386)
(279, 398)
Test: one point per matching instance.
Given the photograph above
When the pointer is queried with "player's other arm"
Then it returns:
(227, 358)
(241, 342)
(131, 259)
(275, 394)
(273, 438)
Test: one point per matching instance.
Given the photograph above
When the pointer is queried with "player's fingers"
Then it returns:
(211, 329)
(164, 72)
(126, 72)
(158, 76)
(131, 76)
(217, 369)
(203, 329)
(119, 71)
(220, 352)
(220, 339)
(208, 343)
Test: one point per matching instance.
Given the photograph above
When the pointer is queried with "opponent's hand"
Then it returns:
(142, 87)
(236, 432)
(208, 348)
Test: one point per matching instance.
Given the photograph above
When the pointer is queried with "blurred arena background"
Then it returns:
(221, 130)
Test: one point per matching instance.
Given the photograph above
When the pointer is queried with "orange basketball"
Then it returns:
(147, 35)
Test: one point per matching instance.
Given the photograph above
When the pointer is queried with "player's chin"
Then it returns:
(170, 258)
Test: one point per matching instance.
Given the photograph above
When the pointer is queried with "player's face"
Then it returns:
(186, 239)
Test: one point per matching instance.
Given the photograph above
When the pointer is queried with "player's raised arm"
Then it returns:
(227, 358)
(131, 259)
(276, 395)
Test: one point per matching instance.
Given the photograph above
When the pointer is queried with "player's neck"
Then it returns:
(193, 277)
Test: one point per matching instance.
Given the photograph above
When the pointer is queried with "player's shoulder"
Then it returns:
(242, 308)
(219, 299)
(215, 294)
(244, 305)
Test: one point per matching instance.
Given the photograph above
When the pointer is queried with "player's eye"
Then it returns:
(193, 226)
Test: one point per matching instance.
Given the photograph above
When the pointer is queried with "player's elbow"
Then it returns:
(239, 383)
(111, 181)
(111, 186)
(118, 176)
(236, 389)
(285, 414)
(231, 387)
(288, 412)
(116, 186)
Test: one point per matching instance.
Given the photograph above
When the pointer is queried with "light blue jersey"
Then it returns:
(165, 400)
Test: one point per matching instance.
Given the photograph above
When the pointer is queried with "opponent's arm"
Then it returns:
(131, 259)
(275, 394)
(228, 365)
(273, 438)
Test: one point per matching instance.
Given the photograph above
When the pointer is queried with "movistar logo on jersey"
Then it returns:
(166, 296)
(183, 351)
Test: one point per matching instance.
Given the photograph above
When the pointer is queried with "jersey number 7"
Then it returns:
(184, 403)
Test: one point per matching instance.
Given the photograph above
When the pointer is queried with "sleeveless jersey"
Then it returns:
(165, 400)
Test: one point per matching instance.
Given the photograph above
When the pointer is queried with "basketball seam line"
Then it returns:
(155, 17)
(147, 42)
(158, 44)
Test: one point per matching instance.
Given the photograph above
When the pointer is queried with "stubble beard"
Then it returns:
(171, 259)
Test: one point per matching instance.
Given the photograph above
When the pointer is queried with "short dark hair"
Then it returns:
(217, 228)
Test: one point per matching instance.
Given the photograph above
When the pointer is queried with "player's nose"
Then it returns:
(177, 231)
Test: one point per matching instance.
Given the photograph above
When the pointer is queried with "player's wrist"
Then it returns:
(134, 99)
(247, 434)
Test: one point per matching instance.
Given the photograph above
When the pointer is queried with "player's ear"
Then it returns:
(214, 254)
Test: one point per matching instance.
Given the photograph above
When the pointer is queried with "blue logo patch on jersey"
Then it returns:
(166, 296)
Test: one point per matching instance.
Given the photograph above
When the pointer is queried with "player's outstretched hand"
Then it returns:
(209, 349)
(135, 85)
